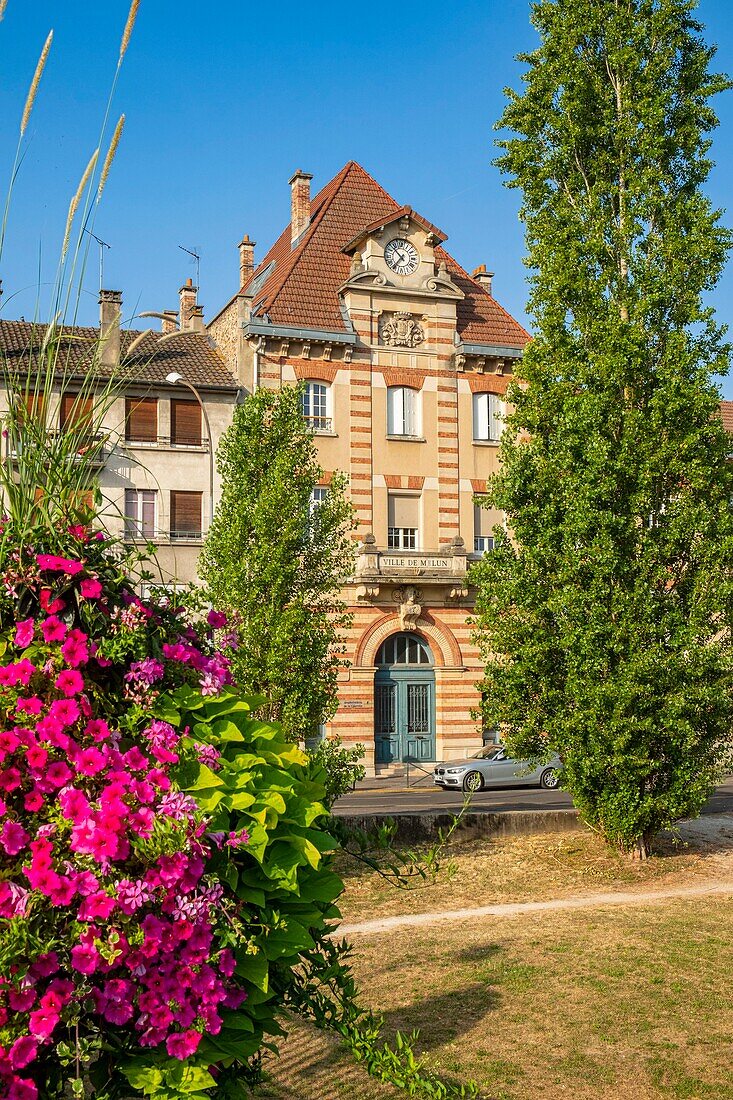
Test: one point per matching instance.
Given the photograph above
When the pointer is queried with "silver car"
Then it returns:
(493, 767)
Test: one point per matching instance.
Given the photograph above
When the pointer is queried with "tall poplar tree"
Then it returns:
(605, 618)
(277, 560)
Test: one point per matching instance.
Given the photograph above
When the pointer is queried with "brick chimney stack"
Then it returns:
(300, 205)
(170, 321)
(110, 310)
(483, 277)
(187, 295)
(197, 319)
(246, 260)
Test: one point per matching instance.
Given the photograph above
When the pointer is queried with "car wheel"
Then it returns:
(549, 779)
(473, 782)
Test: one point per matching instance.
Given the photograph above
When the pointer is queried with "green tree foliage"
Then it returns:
(277, 562)
(605, 620)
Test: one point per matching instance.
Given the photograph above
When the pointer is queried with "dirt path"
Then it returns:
(585, 901)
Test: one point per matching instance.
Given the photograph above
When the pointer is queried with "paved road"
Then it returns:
(424, 798)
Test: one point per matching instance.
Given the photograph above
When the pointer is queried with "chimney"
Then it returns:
(300, 205)
(197, 319)
(246, 260)
(483, 277)
(187, 295)
(170, 321)
(110, 309)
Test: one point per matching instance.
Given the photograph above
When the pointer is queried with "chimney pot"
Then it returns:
(246, 260)
(110, 310)
(483, 277)
(187, 297)
(300, 205)
(197, 319)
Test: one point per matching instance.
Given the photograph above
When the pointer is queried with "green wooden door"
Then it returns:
(404, 702)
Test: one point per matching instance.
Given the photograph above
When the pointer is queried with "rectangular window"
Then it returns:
(318, 495)
(314, 405)
(140, 513)
(482, 540)
(185, 423)
(488, 422)
(141, 419)
(403, 522)
(186, 515)
(402, 411)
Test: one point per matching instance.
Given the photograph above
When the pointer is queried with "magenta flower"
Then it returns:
(24, 632)
(13, 838)
(33, 801)
(30, 705)
(84, 958)
(69, 682)
(52, 564)
(75, 650)
(216, 619)
(97, 729)
(53, 629)
(65, 711)
(90, 588)
(58, 773)
(183, 1045)
(42, 1024)
(23, 1052)
(89, 761)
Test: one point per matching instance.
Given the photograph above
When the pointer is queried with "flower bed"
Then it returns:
(161, 855)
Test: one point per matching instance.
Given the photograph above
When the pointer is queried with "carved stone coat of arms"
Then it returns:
(401, 330)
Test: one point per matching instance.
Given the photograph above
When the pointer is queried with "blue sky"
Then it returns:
(224, 101)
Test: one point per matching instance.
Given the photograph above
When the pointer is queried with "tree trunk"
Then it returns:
(642, 848)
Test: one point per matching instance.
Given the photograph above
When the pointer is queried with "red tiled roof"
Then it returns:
(301, 290)
(189, 354)
(726, 415)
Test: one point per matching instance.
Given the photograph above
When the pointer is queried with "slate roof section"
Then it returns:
(190, 354)
(301, 290)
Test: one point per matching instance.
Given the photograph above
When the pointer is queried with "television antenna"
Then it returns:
(102, 245)
(196, 260)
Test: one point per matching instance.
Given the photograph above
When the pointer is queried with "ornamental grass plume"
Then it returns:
(32, 91)
(76, 199)
(3, 6)
(111, 152)
(129, 26)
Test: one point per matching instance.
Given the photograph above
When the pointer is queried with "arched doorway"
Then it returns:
(404, 701)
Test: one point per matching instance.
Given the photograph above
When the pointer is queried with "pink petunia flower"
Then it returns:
(65, 711)
(42, 1024)
(53, 629)
(50, 563)
(50, 605)
(29, 705)
(13, 837)
(24, 633)
(75, 649)
(216, 619)
(69, 682)
(22, 1052)
(183, 1045)
(90, 588)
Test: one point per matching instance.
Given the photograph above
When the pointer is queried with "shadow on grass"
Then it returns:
(444, 1018)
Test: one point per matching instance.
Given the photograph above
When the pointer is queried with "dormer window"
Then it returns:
(403, 411)
(316, 406)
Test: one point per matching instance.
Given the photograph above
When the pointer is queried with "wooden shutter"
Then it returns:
(186, 423)
(185, 514)
(76, 411)
(32, 406)
(141, 419)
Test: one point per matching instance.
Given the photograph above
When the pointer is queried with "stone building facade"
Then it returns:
(406, 360)
(157, 474)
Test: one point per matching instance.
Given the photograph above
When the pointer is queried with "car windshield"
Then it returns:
(488, 752)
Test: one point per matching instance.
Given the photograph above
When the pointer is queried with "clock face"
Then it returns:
(401, 256)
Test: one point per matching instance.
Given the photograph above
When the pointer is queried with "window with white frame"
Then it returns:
(488, 417)
(318, 496)
(403, 412)
(316, 405)
(482, 540)
(140, 513)
(403, 521)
